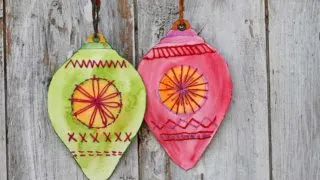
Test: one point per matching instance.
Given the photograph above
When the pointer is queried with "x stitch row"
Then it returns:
(99, 137)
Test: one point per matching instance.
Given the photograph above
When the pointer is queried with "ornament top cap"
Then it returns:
(98, 42)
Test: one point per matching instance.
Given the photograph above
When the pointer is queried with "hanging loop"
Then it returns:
(181, 24)
(96, 16)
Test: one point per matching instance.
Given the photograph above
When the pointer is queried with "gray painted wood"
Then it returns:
(3, 145)
(154, 19)
(295, 89)
(240, 150)
(39, 39)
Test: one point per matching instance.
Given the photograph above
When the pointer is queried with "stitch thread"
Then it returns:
(99, 137)
(96, 154)
(201, 135)
(118, 136)
(183, 90)
(177, 51)
(95, 63)
(186, 126)
(95, 138)
(71, 137)
(104, 102)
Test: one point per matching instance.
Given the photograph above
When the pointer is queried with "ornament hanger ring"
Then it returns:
(181, 24)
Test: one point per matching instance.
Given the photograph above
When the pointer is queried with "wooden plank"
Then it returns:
(153, 18)
(3, 143)
(295, 88)
(240, 150)
(39, 38)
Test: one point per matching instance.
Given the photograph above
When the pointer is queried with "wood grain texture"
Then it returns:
(295, 88)
(240, 150)
(3, 144)
(154, 20)
(39, 39)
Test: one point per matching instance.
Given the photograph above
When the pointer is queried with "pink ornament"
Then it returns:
(189, 91)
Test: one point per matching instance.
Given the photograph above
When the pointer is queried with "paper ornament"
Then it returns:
(96, 103)
(189, 91)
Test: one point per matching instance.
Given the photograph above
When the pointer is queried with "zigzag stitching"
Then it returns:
(186, 126)
(98, 64)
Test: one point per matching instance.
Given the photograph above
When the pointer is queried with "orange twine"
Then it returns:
(181, 24)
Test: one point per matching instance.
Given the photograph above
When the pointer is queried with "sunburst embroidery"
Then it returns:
(96, 102)
(183, 90)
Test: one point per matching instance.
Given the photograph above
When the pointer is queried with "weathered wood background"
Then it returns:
(272, 130)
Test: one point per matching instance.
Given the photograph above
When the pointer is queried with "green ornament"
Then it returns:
(96, 103)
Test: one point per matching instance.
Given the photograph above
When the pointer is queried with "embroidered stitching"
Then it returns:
(183, 90)
(104, 102)
(199, 124)
(201, 135)
(100, 137)
(96, 153)
(176, 51)
(95, 63)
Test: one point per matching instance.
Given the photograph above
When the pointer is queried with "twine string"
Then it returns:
(96, 16)
(181, 10)
(182, 24)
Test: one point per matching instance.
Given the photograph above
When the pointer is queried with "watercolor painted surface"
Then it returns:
(96, 103)
(189, 92)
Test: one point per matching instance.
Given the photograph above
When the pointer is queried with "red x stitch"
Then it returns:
(128, 137)
(107, 137)
(118, 136)
(83, 137)
(95, 138)
(71, 137)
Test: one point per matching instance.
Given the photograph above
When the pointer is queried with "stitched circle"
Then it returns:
(96, 102)
(183, 90)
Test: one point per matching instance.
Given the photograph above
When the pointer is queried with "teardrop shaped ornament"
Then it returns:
(96, 103)
(189, 91)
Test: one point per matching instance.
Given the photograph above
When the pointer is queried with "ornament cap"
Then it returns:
(181, 25)
(98, 42)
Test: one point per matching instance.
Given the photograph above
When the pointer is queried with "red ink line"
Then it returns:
(93, 116)
(84, 92)
(105, 89)
(195, 85)
(199, 95)
(191, 133)
(108, 112)
(186, 126)
(110, 96)
(71, 137)
(167, 85)
(80, 100)
(112, 104)
(187, 76)
(98, 64)
(195, 80)
(183, 103)
(171, 80)
(195, 102)
(171, 95)
(175, 76)
(175, 103)
(189, 103)
(198, 90)
(103, 117)
(83, 110)
(190, 77)
(169, 89)
(185, 139)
